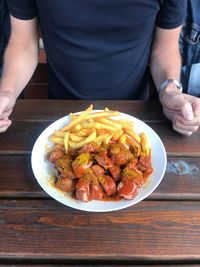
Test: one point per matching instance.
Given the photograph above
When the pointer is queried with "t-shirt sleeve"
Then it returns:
(172, 14)
(22, 9)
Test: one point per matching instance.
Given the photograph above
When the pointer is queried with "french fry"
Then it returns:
(76, 128)
(122, 139)
(106, 141)
(78, 119)
(76, 138)
(102, 114)
(84, 132)
(117, 135)
(99, 139)
(133, 134)
(56, 139)
(99, 114)
(126, 124)
(144, 143)
(110, 122)
(59, 134)
(97, 125)
(103, 131)
(72, 116)
(132, 142)
(76, 145)
(66, 142)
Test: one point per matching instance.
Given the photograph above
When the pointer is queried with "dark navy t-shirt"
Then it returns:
(99, 49)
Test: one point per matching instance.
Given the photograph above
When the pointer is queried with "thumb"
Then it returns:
(187, 111)
(177, 102)
(5, 105)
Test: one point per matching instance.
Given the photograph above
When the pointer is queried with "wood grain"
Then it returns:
(51, 110)
(36, 230)
(47, 229)
(58, 263)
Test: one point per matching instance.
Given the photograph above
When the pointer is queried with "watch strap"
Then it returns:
(167, 82)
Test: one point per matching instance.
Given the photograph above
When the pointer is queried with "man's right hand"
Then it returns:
(7, 102)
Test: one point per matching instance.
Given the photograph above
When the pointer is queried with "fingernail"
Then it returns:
(188, 111)
(189, 115)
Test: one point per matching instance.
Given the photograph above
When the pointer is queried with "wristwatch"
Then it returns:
(168, 81)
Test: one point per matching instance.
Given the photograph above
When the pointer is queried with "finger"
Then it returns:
(170, 113)
(179, 102)
(5, 114)
(187, 111)
(186, 127)
(181, 131)
(195, 122)
(196, 108)
(4, 124)
(4, 106)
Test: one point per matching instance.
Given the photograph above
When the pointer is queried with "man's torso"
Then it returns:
(98, 48)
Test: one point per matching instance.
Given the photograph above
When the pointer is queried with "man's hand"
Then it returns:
(182, 109)
(7, 102)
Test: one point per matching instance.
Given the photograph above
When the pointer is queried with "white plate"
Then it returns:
(44, 171)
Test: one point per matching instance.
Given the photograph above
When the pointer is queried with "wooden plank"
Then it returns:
(89, 264)
(58, 264)
(150, 230)
(181, 181)
(21, 136)
(177, 144)
(17, 179)
(36, 90)
(52, 110)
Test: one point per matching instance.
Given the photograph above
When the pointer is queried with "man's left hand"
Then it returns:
(183, 110)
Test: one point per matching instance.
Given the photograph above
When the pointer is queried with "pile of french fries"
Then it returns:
(100, 127)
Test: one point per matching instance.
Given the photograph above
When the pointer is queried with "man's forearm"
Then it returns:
(165, 60)
(165, 65)
(19, 65)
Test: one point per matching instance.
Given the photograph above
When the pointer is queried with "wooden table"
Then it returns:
(35, 229)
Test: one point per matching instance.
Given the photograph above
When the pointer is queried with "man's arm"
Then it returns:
(20, 61)
(165, 63)
(165, 60)
(21, 55)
